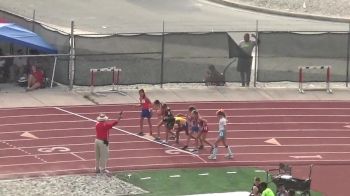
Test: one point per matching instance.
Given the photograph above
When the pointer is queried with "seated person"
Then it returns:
(291, 192)
(265, 190)
(214, 77)
(282, 190)
(35, 78)
(255, 187)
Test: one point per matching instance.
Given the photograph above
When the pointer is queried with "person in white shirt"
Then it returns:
(222, 136)
(19, 66)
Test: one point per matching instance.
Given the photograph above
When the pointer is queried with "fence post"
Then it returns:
(33, 21)
(71, 57)
(347, 59)
(256, 52)
(162, 60)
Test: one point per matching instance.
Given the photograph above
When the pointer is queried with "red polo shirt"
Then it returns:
(102, 129)
(39, 76)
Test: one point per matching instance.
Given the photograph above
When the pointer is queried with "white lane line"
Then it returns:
(231, 172)
(203, 174)
(135, 126)
(124, 131)
(26, 152)
(208, 138)
(43, 122)
(175, 176)
(234, 146)
(259, 171)
(145, 178)
(52, 130)
(230, 131)
(79, 157)
(87, 160)
(188, 103)
(202, 154)
(206, 116)
(92, 169)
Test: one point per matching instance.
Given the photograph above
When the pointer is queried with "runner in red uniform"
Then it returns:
(146, 111)
(203, 127)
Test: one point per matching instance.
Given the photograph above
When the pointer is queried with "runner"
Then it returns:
(193, 122)
(203, 126)
(157, 106)
(180, 125)
(222, 136)
(146, 111)
(168, 121)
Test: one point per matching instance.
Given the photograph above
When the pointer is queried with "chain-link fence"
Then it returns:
(173, 57)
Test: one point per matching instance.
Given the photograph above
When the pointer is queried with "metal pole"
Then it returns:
(162, 60)
(347, 59)
(256, 52)
(33, 22)
(53, 71)
(71, 57)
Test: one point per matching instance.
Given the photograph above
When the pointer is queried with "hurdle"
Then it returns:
(328, 76)
(115, 79)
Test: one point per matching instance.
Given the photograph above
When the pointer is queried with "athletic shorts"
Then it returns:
(146, 113)
(184, 127)
(194, 129)
(205, 130)
(222, 134)
(169, 122)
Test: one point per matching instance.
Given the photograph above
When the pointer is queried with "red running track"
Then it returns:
(308, 132)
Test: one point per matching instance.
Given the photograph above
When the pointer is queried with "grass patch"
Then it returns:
(190, 182)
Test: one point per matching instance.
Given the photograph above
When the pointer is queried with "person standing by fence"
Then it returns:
(244, 65)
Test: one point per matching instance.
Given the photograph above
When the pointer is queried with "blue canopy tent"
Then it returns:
(18, 35)
(15, 34)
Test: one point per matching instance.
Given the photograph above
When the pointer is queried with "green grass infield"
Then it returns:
(196, 181)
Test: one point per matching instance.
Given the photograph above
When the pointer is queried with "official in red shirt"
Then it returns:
(102, 140)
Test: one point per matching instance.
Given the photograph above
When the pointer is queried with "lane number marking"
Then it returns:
(53, 149)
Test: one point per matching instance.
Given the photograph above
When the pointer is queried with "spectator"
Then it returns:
(244, 65)
(291, 192)
(282, 190)
(214, 77)
(2, 64)
(19, 65)
(265, 190)
(5, 64)
(255, 187)
(35, 78)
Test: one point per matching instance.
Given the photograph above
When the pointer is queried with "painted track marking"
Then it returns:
(92, 120)
(26, 152)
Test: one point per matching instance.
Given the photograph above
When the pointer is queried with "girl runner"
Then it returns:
(146, 111)
(222, 136)
(193, 128)
(203, 125)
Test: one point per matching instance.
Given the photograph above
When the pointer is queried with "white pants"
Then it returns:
(101, 151)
